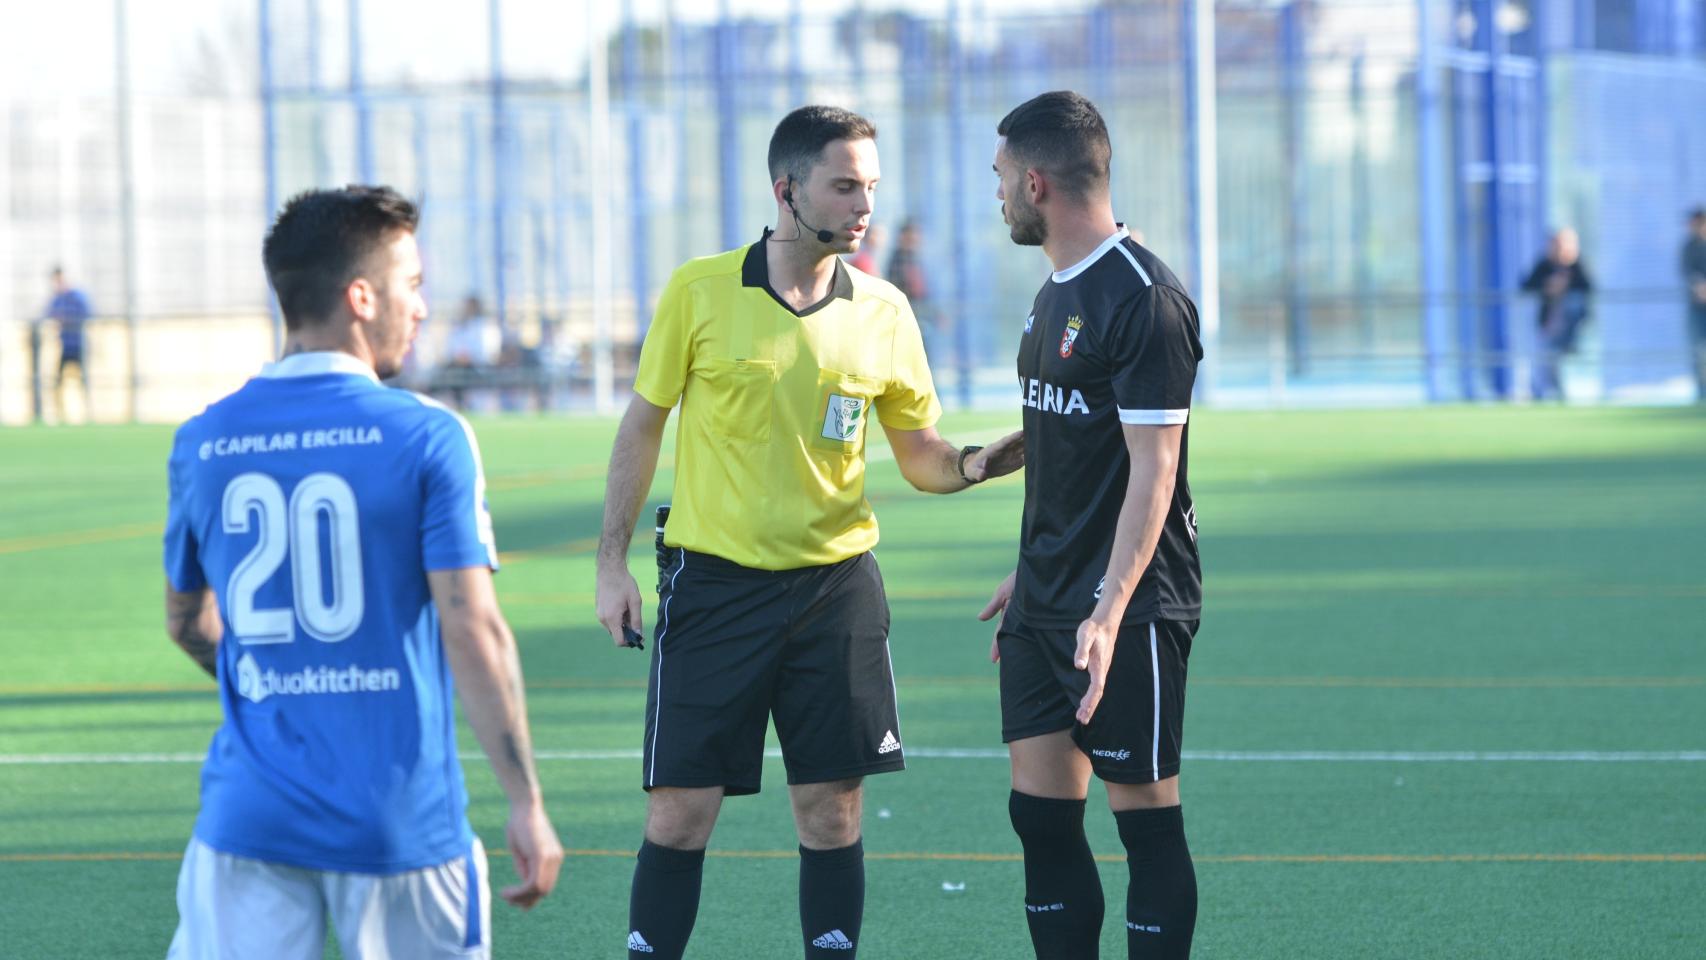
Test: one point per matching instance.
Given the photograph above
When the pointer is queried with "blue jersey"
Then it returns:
(313, 501)
(71, 309)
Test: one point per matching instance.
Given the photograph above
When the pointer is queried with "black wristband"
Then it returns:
(964, 453)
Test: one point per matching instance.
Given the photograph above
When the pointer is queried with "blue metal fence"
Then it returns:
(1386, 167)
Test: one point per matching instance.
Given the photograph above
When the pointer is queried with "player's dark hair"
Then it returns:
(1698, 213)
(321, 242)
(1062, 134)
(797, 145)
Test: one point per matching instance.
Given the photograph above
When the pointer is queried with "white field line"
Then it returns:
(984, 753)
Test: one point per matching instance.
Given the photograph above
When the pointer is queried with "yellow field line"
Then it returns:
(539, 478)
(979, 594)
(76, 538)
(568, 548)
(623, 683)
(92, 688)
(931, 857)
(1451, 682)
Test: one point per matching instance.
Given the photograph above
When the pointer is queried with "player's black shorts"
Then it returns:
(1135, 733)
(734, 647)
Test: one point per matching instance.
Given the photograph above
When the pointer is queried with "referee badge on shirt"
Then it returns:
(1073, 325)
(842, 418)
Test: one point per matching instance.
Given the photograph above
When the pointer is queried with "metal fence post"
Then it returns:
(1202, 137)
(500, 166)
(365, 169)
(269, 150)
(1436, 320)
(127, 216)
(957, 200)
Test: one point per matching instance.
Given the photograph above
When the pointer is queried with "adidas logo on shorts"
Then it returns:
(889, 745)
(833, 940)
(638, 943)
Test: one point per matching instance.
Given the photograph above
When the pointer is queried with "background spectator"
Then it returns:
(1563, 285)
(70, 309)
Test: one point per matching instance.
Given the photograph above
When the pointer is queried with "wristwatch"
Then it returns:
(964, 453)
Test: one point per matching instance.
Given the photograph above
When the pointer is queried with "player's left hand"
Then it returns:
(537, 852)
(1095, 652)
(999, 458)
(997, 606)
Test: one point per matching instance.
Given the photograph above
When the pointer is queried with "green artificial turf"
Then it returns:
(1410, 617)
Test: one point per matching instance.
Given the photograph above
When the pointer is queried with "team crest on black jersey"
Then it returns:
(1073, 325)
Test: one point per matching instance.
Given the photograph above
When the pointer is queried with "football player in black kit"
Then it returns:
(1096, 622)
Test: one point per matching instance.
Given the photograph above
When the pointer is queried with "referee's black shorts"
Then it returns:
(734, 646)
(1134, 735)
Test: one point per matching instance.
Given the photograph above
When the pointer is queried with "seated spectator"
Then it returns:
(470, 353)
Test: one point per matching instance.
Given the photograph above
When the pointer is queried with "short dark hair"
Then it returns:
(322, 240)
(1698, 213)
(797, 145)
(1062, 134)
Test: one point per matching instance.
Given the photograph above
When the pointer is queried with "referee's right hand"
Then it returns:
(618, 602)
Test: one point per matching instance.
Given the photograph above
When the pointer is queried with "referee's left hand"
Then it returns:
(1095, 651)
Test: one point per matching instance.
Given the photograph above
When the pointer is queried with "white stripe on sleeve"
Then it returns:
(1155, 418)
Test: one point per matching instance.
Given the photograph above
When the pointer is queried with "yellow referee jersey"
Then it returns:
(776, 407)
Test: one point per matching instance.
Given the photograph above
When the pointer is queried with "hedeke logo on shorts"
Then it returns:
(257, 684)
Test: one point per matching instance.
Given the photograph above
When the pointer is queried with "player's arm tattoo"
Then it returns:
(517, 756)
(487, 667)
(516, 742)
(192, 621)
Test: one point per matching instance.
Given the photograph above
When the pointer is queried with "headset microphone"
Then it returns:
(823, 236)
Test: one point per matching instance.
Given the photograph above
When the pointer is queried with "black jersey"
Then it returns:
(1112, 340)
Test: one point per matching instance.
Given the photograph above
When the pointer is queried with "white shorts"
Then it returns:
(231, 906)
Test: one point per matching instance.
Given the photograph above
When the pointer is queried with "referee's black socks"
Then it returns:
(832, 900)
(1063, 892)
(664, 901)
(1161, 903)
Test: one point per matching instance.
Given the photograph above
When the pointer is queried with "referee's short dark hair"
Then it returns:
(321, 242)
(797, 145)
(1062, 134)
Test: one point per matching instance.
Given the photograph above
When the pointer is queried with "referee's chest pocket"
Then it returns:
(843, 411)
(739, 397)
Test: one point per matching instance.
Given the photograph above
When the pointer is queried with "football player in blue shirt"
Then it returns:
(70, 309)
(329, 560)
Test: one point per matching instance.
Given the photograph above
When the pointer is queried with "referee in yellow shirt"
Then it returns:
(779, 354)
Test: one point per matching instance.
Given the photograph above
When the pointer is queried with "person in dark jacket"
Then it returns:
(1694, 274)
(1563, 286)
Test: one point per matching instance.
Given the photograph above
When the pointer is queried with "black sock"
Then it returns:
(832, 900)
(664, 901)
(1161, 903)
(1063, 891)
